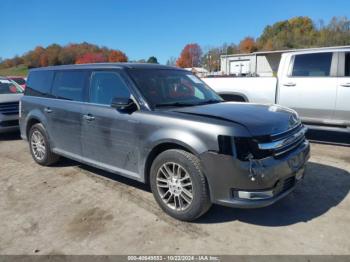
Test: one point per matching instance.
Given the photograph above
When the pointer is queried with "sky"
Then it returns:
(144, 28)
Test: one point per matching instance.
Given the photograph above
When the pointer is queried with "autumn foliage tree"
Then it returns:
(91, 58)
(190, 56)
(247, 45)
(69, 54)
(117, 56)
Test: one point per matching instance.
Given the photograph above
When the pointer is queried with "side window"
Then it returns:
(311, 65)
(107, 85)
(347, 64)
(39, 83)
(69, 85)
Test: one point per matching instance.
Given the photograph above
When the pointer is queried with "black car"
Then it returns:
(163, 126)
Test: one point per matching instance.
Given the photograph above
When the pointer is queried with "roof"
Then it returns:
(318, 49)
(108, 66)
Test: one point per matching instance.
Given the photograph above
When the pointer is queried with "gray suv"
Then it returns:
(163, 126)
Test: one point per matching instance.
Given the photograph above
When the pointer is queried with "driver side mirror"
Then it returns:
(123, 104)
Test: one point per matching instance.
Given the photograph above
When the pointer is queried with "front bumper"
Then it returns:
(227, 177)
(8, 123)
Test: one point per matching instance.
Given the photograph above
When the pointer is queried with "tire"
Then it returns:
(44, 156)
(175, 189)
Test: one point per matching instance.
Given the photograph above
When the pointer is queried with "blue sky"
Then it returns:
(142, 28)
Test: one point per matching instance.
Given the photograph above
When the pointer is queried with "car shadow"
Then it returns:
(323, 187)
(328, 137)
(11, 136)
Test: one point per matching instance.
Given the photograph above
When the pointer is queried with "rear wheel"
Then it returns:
(40, 147)
(179, 185)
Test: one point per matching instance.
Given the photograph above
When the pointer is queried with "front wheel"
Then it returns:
(179, 186)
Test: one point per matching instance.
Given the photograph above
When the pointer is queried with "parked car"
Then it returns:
(19, 80)
(315, 83)
(163, 126)
(10, 94)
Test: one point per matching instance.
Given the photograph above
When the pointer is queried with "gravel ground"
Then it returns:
(75, 209)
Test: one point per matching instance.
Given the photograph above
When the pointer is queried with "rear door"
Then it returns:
(309, 85)
(342, 107)
(109, 136)
(65, 112)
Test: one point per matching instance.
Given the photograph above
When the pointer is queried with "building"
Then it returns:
(199, 71)
(264, 63)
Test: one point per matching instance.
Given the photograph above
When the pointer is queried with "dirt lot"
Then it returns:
(75, 209)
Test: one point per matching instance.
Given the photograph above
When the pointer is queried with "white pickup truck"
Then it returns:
(314, 83)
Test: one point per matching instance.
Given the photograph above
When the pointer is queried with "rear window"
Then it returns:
(312, 65)
(39, 83)
(69, 85)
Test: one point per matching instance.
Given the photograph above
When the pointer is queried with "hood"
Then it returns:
(4, 98)
(259, 119)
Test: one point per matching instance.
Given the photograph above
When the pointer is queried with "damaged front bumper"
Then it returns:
(256, 183)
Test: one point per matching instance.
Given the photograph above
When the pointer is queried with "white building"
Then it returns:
(258, 63)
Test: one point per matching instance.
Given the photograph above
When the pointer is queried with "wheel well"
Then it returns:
(30, 123)
(232, 97)
(158, 150)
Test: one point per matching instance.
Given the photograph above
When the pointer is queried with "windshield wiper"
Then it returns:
(175, 104)
(210, 101)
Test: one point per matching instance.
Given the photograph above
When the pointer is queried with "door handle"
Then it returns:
(345, 85)
(290, 84)
(89, 117)
(48, 110)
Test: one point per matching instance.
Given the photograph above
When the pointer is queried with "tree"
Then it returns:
(152, 60)
(190, 56)
(211, 59)
(44, 60)
(247, 45)
(53, 52)
(117, 56)
(297, 32)
(171, 61)
(91, 58)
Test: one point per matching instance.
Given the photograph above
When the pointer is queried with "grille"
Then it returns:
(9, 123)
(288, 183)
(10, 108)
(280, 145)
(284, 185)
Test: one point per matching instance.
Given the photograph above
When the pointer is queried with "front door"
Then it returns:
(310, 87)
(342, 107)
(108, 135)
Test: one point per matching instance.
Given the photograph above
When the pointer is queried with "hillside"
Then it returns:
(21, 70)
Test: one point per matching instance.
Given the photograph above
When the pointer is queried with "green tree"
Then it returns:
(152, 60)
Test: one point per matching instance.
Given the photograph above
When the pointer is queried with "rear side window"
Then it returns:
(312, 65)
(69, 85)
(347, 64)
(39, 83)
(107, 85)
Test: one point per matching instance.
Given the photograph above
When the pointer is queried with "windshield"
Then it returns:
(9, 87)
(164, 87)
(19, 81)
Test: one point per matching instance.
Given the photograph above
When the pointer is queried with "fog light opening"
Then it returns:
(255, 195)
